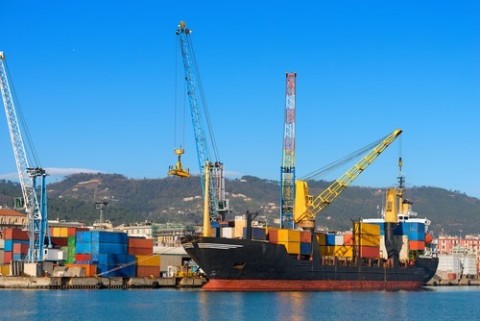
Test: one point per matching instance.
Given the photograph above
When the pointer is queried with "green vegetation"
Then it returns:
(179, 200)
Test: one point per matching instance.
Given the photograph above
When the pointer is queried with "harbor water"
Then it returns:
(438, 303)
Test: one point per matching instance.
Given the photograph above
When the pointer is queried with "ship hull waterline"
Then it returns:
(250, 265)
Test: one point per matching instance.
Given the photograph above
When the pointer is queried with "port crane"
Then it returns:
(307, 206)
(37, 219)
(218, 204)
(287, 170)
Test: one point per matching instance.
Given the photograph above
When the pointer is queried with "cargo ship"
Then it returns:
(377, 254)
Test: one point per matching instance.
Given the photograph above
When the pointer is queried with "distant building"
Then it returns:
(455, 244)
(166, 235)
(12, 218)
(459, 255)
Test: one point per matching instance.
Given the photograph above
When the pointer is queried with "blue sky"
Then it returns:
(95, 81)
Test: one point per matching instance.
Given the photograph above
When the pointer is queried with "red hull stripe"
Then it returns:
(295, 285)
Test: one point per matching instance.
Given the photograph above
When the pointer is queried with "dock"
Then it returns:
(65, 283)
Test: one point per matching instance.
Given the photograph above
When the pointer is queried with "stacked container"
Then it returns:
(107, 250)
(367, 239)
(295, 241)
(16, 244)
(148, 264)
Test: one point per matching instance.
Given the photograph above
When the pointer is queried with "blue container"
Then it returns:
(8, 246)
(330, 239)
(109, 248)
(83, 248)
(258, 233)
(109, 237)
(416, 231)
(305, 248)
(115, 259)
(83, 237)
(117, 270)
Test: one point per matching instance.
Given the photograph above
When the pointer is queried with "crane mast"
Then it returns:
(307, 208)
(218, 203)
(37, 224)
(287, 171)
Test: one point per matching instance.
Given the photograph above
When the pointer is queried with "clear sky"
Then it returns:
(95, 81)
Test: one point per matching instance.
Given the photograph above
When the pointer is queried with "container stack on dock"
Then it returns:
(15, 245)
(409, 238)
(107, 250)
(147, 264)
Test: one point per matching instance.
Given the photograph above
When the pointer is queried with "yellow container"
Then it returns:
(148, 260)
(63, 232)
(343, 251)
(327, 250)
(367, 240)
(56, 232)
(321, 239)
(291, 247)
(367, 228)
(285, 235)
(5, 269)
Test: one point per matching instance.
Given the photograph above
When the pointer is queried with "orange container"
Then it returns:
(416, 245)
(90, 269)
(147, 271)
(348, 239)
(148, 260)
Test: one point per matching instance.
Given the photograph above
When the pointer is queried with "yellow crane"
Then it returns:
(307, 206)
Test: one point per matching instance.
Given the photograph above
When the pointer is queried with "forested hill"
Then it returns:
(174, 199)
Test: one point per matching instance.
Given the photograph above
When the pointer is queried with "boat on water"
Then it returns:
(255, 265)
(378, 254)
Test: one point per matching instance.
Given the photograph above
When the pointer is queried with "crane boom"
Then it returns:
(305, 217)
(218, 203)
(36, 222)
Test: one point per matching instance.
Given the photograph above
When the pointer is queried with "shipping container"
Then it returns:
(7, 257)
(20, 248)
(148, 260)
(343, 251)
(306, 237)
(90, 269)
(258, 233)
(416, 245)
(291, 247)
(347, 238)
(140, 242)
(369, 252)
(5, 269)
(305, 248)
(139, 251)
(321, 239)
(227, 232)
(15, 234)
(148, 271)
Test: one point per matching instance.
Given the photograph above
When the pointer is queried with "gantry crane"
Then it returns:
(37, 219)
(307, 206)
(218, 204)
(287, 171)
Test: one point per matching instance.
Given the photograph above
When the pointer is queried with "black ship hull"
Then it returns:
(252, 265)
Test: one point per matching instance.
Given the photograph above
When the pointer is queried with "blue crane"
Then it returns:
(37, 219)
(219, 205)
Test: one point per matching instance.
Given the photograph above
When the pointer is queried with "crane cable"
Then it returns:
(204, 103)
(339, 163)
(32, 154)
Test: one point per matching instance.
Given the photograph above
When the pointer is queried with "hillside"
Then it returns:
(179, 200)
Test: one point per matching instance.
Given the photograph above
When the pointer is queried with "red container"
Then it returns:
(137, 242)
(59, 241)
(140, 251)
(369, 252)
(272, 235)
(15, 234)
(7, 257)
(83, 257)
(147, 271)
(306, 237)
(20, 248)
